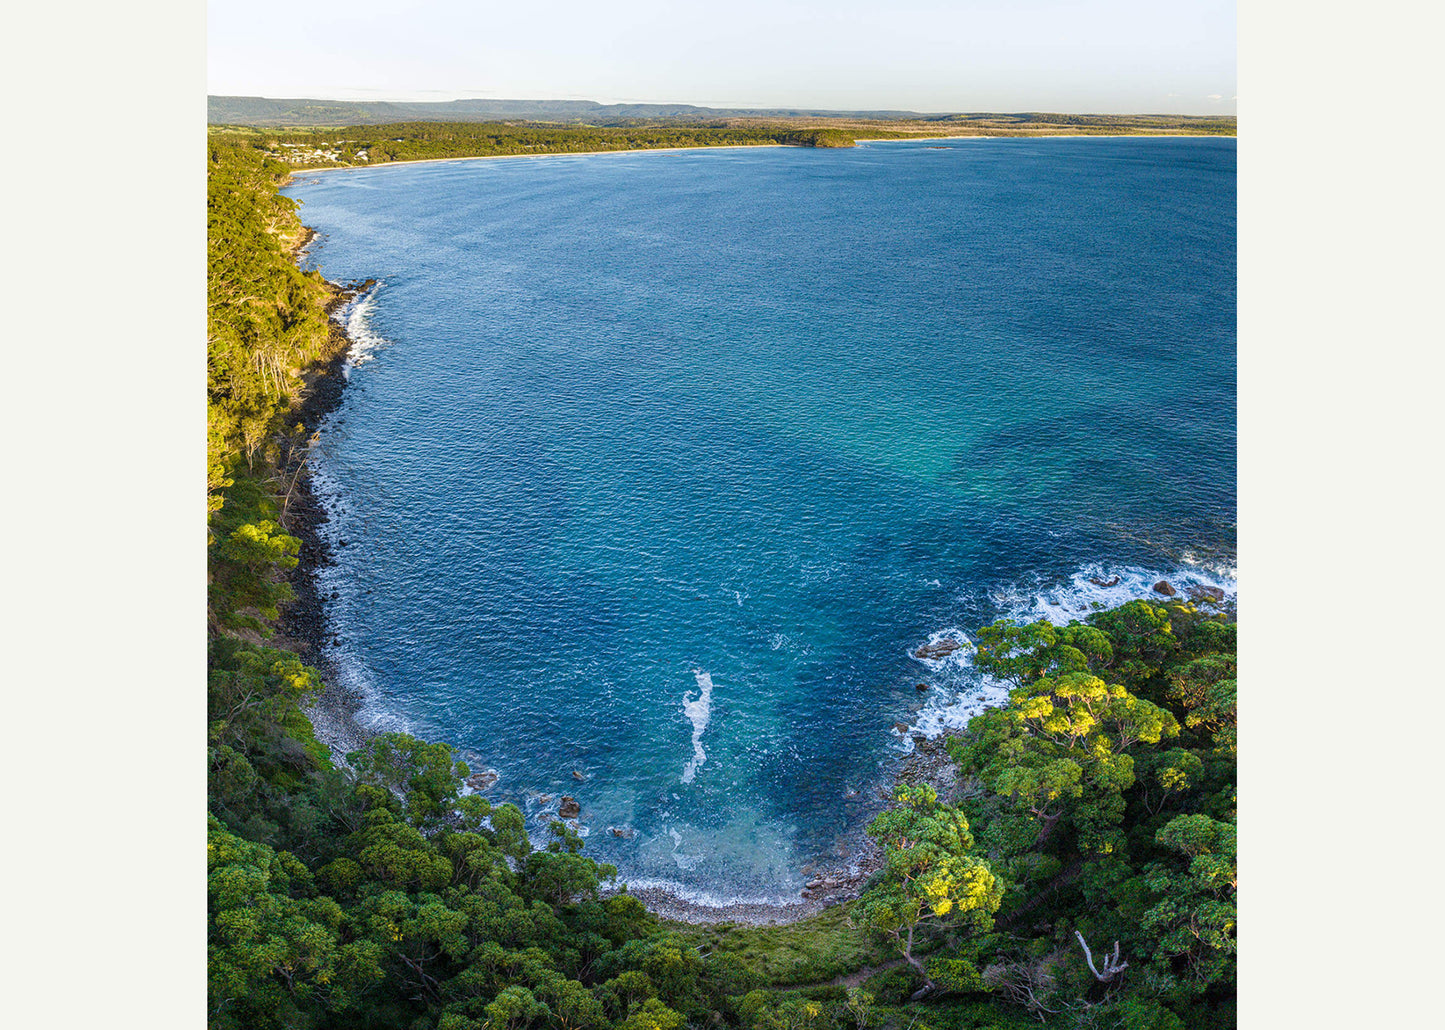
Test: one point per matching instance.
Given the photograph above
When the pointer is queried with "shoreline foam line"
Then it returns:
(351, 708)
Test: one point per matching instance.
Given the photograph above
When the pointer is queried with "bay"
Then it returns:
(660, 466)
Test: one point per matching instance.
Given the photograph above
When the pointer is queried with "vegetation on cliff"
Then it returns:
(1080, 873)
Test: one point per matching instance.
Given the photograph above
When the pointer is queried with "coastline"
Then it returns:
(302, 169)
(306, 170)
(304, 623)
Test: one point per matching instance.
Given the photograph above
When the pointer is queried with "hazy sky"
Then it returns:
(1126, 56)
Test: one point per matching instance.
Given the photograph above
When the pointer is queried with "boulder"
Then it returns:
(483, 779)
(570, 808)
(1163, 587)
(941, 649)
(921, 687)
(577, 775)
(625, 832)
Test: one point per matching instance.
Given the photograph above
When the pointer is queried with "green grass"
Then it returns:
(810, 951)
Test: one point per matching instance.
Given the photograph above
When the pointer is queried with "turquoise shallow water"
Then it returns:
(657, 467)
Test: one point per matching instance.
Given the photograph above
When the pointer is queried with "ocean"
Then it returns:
(654, 470)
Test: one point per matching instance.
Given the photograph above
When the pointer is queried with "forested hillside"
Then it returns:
(579, 113)
(1080, 872)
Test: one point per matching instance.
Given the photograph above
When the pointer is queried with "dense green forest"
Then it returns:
(1080, 872)
(414, 141)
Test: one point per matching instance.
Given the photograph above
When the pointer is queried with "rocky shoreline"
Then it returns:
(304, 624)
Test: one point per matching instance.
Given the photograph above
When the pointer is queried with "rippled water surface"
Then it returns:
(661, 465)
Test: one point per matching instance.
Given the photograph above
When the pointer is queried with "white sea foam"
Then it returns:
(1095, 587)
(698, 712)
(344, 596)
(952, 708)
(957, 690)
(685, 861)
(356, 317)
(960, 658)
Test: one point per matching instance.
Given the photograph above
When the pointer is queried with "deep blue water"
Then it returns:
(773, 417)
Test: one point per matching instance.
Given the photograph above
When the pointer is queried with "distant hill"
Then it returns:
(266, 111)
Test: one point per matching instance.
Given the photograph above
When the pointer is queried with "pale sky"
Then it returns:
(1101, 56)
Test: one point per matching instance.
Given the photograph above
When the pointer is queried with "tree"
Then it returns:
(560, 874)
(929, 873)
(274, 959)
(249, 574)
(1194, 913)
(426, 778)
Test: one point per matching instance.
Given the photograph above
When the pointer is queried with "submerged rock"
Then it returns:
(1163, 587)
(577, 775)
(625, 832)
(1104, 582)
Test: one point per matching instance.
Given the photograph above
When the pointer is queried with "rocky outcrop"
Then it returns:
(836, 883)
(1200, 592)
(570, 808)
(940, 649)
(483, 780)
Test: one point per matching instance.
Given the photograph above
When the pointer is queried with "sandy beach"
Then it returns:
(300, 169)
